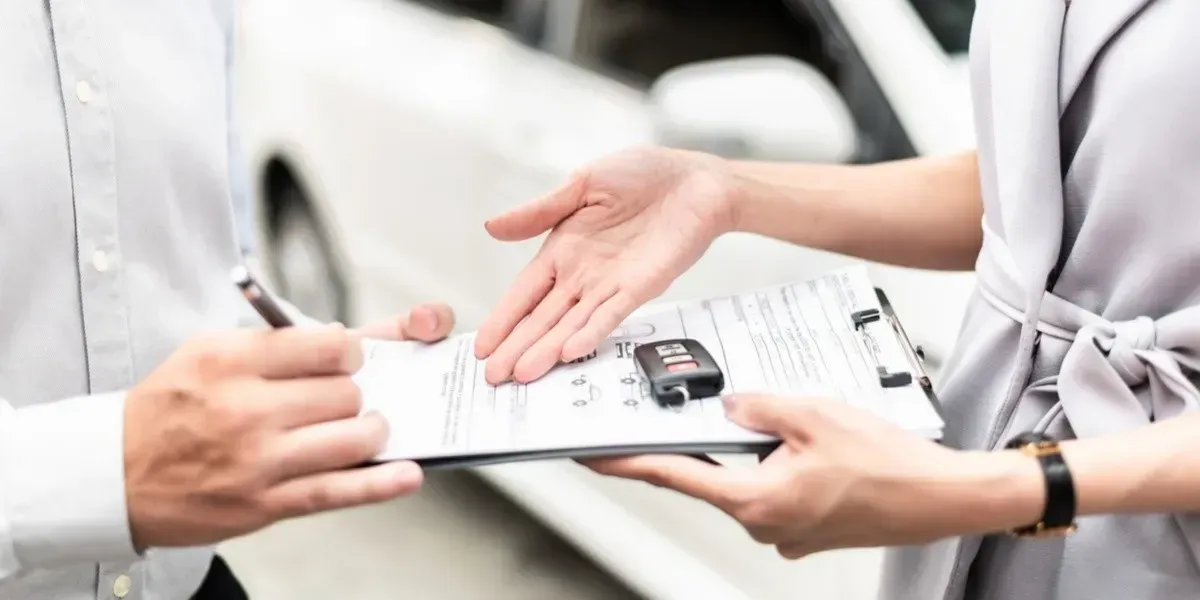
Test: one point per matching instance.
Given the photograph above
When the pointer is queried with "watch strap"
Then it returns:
(1058, 515)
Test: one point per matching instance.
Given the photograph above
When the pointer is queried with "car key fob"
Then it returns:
(678, 370)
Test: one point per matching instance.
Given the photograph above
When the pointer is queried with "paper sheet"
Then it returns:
(790, 340)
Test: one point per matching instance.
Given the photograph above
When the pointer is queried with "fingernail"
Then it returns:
(431, 318)
(408, 470)
(384, 426)
(730, 401)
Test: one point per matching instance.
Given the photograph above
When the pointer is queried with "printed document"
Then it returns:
(795, 339)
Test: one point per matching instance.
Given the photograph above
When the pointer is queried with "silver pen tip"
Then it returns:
(241, 276)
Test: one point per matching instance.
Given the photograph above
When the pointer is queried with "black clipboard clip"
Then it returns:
(897, 375)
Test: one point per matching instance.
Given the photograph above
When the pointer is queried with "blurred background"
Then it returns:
(380, 135)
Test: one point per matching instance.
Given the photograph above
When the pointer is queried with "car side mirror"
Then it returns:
(758, 108)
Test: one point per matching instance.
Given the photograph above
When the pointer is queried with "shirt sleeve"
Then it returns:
(62, 484)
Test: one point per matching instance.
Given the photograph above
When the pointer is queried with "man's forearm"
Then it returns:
(922, 212)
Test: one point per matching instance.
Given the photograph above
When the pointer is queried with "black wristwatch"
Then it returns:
(1058, 517)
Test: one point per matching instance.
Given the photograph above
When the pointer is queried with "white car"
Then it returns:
(381, 134)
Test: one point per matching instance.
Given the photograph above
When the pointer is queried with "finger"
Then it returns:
(547, 314)
(531, 287)
(342, 489)
(306, 352)
(538, 216)
(548, 351)
(326, 446)
(722, 487)
(602, 322)
(793, 551)
(425, 323)
(295, 403)
(790, 418)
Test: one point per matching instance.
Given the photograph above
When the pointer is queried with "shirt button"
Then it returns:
(100, 261)
(122, 585)
(83, 91)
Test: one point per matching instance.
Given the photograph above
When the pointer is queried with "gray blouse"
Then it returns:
(1086, 319)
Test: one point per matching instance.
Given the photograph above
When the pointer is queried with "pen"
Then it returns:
(260, 299)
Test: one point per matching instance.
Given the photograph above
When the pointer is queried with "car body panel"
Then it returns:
(408, 128)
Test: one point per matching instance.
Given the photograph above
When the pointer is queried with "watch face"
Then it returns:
(1040, 530)
(1027, 438)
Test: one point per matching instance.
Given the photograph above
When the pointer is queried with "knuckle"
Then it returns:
(754, 515)
(266, 509)
(213, 362)
(349, 395)
(653, 474)
(333, 352)
(360, 442)
(317, 498)
(219, 355)
(233, 419)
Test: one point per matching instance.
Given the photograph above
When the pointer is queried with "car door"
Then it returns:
(552, 118)
(386, 106)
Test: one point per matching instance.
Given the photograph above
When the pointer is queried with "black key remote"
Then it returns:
(678, 370)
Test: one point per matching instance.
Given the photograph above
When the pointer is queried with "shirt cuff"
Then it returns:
(62, 466)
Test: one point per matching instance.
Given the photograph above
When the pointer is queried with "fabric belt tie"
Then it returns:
(1105, 360)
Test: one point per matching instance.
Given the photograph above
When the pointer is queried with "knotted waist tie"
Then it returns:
(1105, 361)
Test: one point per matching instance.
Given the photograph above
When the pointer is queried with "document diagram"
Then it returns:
(789, 340)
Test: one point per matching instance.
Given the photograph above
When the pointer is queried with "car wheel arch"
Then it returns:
(282, 188)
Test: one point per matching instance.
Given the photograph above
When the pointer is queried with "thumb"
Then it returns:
(772, 415)
(534, 218)
(425, 323)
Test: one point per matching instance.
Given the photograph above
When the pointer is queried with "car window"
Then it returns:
(949, 21)
(636, 41)
(490, 11)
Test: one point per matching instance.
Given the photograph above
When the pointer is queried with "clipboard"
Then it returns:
(911, 372)
(915, 355)
(855, 336)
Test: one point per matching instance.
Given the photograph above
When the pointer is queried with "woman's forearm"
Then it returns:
(922, 212)
(1153, 469)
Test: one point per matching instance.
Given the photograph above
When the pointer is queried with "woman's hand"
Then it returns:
(845, 478)
(623, 228)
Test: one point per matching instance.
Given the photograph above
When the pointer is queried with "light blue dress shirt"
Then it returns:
(123, 207)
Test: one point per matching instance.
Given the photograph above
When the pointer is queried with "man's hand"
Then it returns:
(424, 323)
(238, 430)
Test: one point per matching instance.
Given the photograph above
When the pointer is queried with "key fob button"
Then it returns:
(678, 364)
